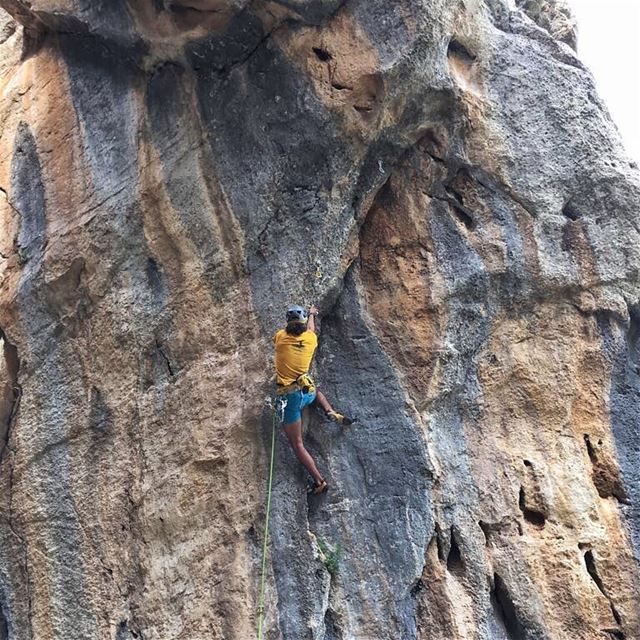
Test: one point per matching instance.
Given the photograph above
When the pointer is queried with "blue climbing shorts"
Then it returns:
(296, 401)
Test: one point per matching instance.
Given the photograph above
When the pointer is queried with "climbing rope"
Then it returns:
(279, 406)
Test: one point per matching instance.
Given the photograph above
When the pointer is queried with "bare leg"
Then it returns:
(323, 402)
(294, 433)
(330, 411)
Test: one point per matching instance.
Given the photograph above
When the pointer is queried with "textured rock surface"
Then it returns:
(442, 179)
(553, 15)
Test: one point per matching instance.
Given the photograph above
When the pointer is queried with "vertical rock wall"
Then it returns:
(442, 179)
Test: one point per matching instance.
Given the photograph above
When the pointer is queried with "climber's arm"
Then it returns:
(311, 324)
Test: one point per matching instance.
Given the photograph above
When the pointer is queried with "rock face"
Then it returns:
(442, 180)
(553, 15)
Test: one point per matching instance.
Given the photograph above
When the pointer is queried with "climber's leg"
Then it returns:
(294, 434)
(292, 422)
(323, 402)
(329, 411)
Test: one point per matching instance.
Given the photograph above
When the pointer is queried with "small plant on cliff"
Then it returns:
(330, 557)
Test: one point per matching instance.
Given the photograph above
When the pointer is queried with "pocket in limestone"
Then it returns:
(531, 499)
(606, 474)
(203, 15)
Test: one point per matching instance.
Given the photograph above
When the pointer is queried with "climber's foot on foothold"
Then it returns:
(334, 416)
(318, 487)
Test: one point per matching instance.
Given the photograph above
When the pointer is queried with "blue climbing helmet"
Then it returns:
(297, 314)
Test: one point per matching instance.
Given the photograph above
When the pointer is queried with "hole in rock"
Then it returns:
(532, 516)
(154, 276)
(527, 463)
(189, 14)
(454, 558)
(136, 633)
(606, 478)
(590, 563)
(322, 54)
(340, 87)
(457, 49)
(505, 610)
(464, 217)
(362, 108)
(417, 588)
(183, 7)
(440, 543)
(570, 211)
(590, 450)
(432, 145)
(486, 530)
(569, 238)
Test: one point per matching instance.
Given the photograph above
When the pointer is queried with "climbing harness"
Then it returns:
(277, 411)
(304, 383)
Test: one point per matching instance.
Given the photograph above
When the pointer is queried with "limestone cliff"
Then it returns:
(441, 178)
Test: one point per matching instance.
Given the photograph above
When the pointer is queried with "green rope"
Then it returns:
(263, 579)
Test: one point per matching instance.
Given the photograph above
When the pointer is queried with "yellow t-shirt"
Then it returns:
(293, 355)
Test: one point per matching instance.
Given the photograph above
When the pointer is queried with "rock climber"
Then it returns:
(295, 346)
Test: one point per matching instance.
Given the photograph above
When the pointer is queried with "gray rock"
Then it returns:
(444, 182)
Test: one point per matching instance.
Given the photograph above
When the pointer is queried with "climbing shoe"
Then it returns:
(334, 416)
(318, 487)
